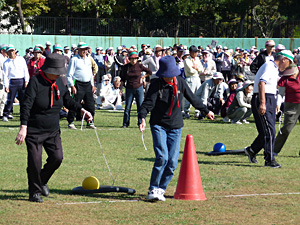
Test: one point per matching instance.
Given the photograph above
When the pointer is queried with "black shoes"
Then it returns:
(272, 164)
(45, 190)
(251, 155)
(36, 198)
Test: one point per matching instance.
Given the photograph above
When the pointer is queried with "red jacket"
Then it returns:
(34, 66)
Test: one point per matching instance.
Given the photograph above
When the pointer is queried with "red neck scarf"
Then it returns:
(175, 92)
(53, 84)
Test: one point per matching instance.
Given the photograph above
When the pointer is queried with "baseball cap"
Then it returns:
(193, 48)
(180, 49)
(3, 46)
(57, 47)
(48, 43)
(66, 48)
(270, 43)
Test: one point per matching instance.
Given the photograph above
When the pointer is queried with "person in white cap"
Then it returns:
(81, 81)
(209, 66)
(264, 56)
(289, 86)
(210, 92)
(15, 77)
(153, 62)
(119, 61)
(47, 49)
(3, 94)
(67, 51)
(263, 105)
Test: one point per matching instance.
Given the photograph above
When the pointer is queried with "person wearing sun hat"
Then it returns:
(15, 79)
(34, 65)
(264, 56)
(263, 106)
(240, 108)
(163, 100)
(289, 86)
(81, 81)
(39, 116)
(131, 74)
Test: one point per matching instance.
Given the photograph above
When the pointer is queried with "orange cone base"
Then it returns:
(198, 197)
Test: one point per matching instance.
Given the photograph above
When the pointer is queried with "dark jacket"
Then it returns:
(132, 74)
(36, 112)
(259, 61)
(158, 101)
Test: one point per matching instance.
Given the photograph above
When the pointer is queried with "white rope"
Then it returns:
(144, 141)
(280, 121)
(113, 179)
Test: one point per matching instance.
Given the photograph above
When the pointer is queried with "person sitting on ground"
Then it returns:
(232, 91)
(240, 108)
(210, 92)
(111, 96)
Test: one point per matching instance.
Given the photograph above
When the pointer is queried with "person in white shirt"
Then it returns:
(192, 68)
(3, 94)
(209, 66)
(263, 106)
(111, 95)
(15, 78)
(80, 79)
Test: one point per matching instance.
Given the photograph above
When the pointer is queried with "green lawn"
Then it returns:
(131, 164)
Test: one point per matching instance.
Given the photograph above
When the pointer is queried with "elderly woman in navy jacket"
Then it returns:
(163, 100)
(39, 114)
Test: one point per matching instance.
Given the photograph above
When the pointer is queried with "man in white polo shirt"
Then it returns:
(81, 81)
(15, 79)
(263, 105)
(192, 69)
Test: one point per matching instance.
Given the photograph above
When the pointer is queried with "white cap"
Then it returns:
(119, 48)
(218, 75)
(74, 46)
(48, 43)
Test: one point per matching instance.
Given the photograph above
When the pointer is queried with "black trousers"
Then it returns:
(51, 142)
(265, 126)
(85, 93)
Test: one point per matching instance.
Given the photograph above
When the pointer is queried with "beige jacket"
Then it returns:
(192, 67)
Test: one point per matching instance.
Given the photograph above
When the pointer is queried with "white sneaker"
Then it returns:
(10, 117)
(72, 126)
(197, 114)
(4, 119)
(91, 126)
(153, 194)
(237, 122)
(245, 121)
(226, 119)
(161, 193)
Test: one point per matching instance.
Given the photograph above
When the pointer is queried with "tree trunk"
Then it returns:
(241, 27)
(19, 2)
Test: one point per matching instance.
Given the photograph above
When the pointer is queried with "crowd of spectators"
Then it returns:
(221, 77)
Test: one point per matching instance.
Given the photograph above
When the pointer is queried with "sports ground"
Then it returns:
(237, 192)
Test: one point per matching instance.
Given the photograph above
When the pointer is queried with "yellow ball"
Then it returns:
(90, 183)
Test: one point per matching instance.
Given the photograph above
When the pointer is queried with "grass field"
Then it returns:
(223, 178)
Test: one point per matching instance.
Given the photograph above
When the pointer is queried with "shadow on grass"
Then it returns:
(229, 163)
(22, 195)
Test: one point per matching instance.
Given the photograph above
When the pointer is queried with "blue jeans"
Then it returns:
(138, 94)
(166, 144)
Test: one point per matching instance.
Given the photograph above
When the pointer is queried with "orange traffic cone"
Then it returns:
(189, 186)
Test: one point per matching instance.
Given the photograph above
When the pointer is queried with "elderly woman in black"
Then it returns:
(39, 114)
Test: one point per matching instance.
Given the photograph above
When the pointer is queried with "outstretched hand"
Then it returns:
(210, 115)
